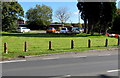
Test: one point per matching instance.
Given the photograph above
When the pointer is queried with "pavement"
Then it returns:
(88, 63)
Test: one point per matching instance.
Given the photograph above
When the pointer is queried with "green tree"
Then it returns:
(81, 6)
(11, 11)
(90, 12)
(100, 14)
(107, 15)
(116, 24)
(39, 17)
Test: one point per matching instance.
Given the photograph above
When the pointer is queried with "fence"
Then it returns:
(41, 46)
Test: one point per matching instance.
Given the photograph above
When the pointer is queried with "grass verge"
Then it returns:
(38, 43)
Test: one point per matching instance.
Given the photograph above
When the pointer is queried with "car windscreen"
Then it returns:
(24, 28)
(63, 28)
(50, 28)
(76, 28)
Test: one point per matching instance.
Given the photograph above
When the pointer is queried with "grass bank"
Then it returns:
(38, 43)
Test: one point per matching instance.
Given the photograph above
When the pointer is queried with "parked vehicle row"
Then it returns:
(65, 30)
(71, 30)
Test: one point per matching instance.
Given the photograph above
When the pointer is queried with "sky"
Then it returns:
(71, 6)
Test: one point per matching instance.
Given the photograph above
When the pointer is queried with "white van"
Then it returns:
(23, 29)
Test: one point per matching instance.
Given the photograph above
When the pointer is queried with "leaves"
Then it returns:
(40, 16)
(10, 13)
(97, 13)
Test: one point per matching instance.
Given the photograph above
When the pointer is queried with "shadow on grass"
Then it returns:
(43, 35)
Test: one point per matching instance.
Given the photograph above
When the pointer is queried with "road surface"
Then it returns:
(71, 66)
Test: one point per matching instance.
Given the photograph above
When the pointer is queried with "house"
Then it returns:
(22, 23)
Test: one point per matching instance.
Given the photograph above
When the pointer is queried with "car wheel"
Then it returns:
(23, 31)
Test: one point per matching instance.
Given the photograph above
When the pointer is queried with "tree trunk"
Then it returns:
(85, 23)
(92, 30)
(105, 30)
(89, 26)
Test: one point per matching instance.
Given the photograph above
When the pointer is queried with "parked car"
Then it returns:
(76, 30)
(51, 30)
(70, 30)
(113, 35)
(23, 29)
(64, 30)
(81, 29)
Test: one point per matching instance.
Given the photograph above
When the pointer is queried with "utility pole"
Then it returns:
(79, 17)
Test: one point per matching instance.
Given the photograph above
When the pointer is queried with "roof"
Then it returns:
(55, 24)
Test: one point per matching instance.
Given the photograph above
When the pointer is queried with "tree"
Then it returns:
(107, 15)
(118, 11)
(100, 14)
(90, 12)
(11, 11)
(62, 15)
(81, 6)
(39, 17)
(116, 24)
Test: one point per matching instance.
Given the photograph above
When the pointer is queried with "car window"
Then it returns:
(50, 28)
(76, 28)
(24, 28)
(63, 28)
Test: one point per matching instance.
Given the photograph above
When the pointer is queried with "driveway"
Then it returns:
(38, 31)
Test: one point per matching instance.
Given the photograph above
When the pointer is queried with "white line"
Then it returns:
(109, 71)
(105, 55)
(80, 56)
(12, 61)
(50, 58)
(67, 75)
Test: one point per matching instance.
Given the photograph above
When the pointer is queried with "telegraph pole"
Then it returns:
(79, 17)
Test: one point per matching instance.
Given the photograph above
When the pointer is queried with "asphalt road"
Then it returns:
(74, 66)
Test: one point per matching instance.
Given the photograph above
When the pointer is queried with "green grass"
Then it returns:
(38, 43)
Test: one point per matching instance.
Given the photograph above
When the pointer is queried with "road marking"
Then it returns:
(80, 56)
(109, 71)
(67, 75)
(12, 61)
(50, 58)
(62, 76)
(105, 55)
